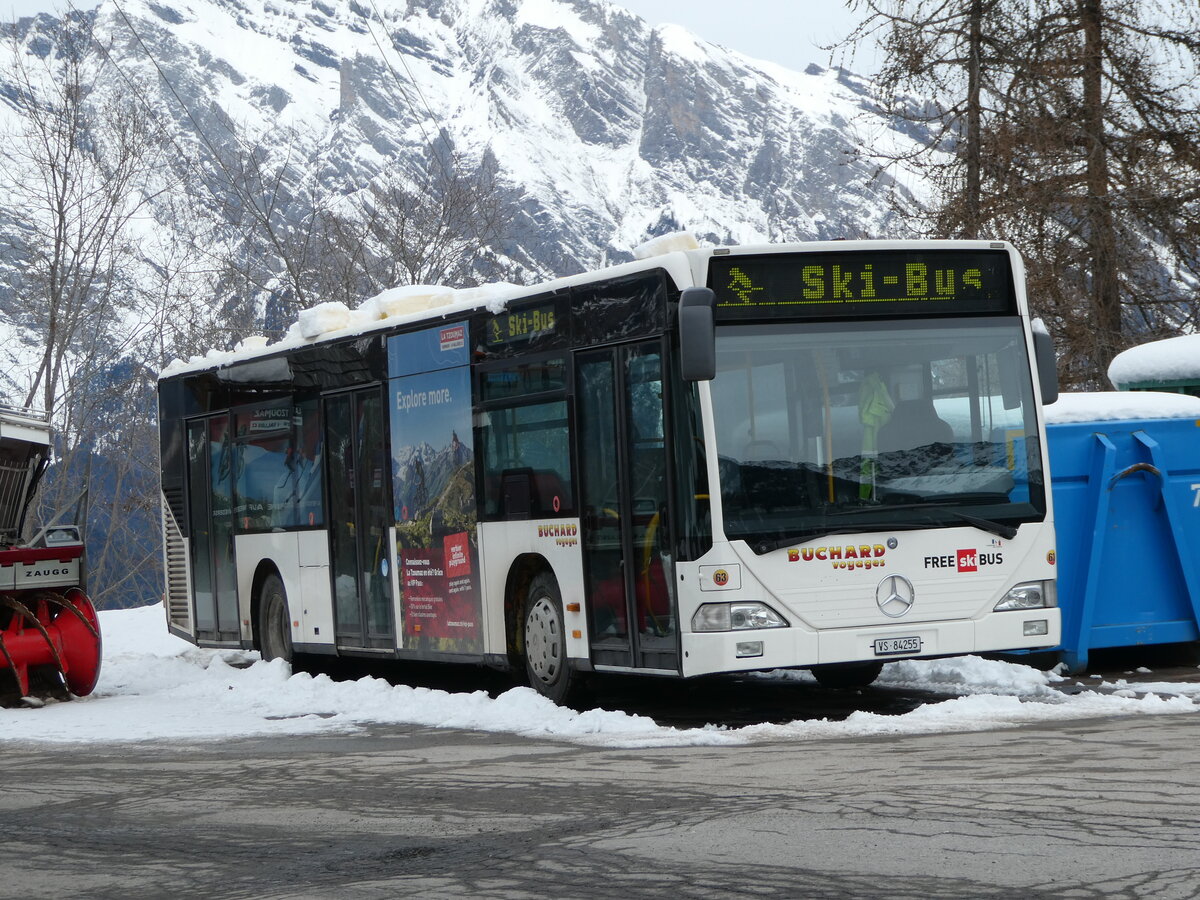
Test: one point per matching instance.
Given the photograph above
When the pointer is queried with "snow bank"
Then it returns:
(252, 344)
(1103, 406)
(156, 687)
(322, 318)
(666, 243)
(400, 301)
(1173, 359)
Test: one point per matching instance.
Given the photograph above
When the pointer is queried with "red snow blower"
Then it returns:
(49, 633)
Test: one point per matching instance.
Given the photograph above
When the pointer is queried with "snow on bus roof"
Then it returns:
(411, 304)
(419, 302)
(666, 243)
(1173, 359)
(1104, 406)
(393, 306)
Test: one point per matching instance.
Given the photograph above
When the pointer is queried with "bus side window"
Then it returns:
(526, 461)
(278, 476)
(310, 451)
(523, 439)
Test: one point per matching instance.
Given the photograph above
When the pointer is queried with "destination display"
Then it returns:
(522, 325)
(862, 284)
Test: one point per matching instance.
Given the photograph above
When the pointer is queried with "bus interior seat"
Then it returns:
(524, 491)
(761, 451)
(914, 423)
(516, 493)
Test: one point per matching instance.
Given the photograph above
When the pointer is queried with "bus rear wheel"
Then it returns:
(549, 671)
(847, 675)
(274, 621)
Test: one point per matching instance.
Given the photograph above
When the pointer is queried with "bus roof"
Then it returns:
(413, 304)
(678, 254)
(27, 425)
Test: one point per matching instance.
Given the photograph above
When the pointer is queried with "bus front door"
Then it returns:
(623, 461)
(359, 519)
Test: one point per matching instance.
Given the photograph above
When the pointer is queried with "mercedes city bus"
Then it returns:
(820, 456)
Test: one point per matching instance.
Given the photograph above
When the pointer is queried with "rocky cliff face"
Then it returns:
(604, 131)
(597, 130)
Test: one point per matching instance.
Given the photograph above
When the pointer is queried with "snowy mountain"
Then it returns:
(602, 129)
(270, 155)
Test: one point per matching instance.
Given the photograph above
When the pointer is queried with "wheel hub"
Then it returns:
(543, 640)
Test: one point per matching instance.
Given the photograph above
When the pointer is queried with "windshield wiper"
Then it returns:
(1008, 532)
(974, 498)
(888, 504)
(1000, 529)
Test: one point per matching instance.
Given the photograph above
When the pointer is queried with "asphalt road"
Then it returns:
(1102, 808)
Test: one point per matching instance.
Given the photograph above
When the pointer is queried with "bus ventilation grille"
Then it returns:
(179, 609)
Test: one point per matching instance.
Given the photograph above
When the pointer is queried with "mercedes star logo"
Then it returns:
(894, 595)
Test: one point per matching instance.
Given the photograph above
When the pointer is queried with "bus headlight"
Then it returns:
(736, 617)
(1029, 595)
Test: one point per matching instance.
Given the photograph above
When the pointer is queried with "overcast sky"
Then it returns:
(15, 9)
(788, 32)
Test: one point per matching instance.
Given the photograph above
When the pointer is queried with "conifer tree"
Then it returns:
(1085, 152)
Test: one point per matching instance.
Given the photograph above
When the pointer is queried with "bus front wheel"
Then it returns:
(274, 621)
(549, 671)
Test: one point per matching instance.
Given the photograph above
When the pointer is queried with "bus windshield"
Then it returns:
(845, 427)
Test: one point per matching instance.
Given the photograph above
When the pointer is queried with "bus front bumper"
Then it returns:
(795, 647)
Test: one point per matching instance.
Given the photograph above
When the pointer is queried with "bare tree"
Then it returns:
(945, 65)
(1096, 173)
(435, 228)
(78, 169)
(439, 220)
(82, 166)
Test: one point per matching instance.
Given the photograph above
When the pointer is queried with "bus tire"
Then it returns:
(274, 621)
(549, 671)
(847, 675)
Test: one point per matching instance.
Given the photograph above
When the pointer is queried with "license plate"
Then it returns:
(891, 646)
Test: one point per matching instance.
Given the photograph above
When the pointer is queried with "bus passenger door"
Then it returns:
(628, 572)
(210, 493)
(359, 513)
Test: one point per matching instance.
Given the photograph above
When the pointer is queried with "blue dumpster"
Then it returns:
(1127, 513)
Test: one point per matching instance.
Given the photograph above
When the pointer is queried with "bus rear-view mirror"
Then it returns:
(1047, 364)
(697, 335)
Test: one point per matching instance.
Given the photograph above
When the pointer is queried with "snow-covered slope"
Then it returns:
(606, 130)
(596, 131)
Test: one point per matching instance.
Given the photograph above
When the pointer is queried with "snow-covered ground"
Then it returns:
(155, 687)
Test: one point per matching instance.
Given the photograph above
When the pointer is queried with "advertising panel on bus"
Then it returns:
(433, 481)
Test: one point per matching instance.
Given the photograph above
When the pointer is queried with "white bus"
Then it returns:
(822, 456)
